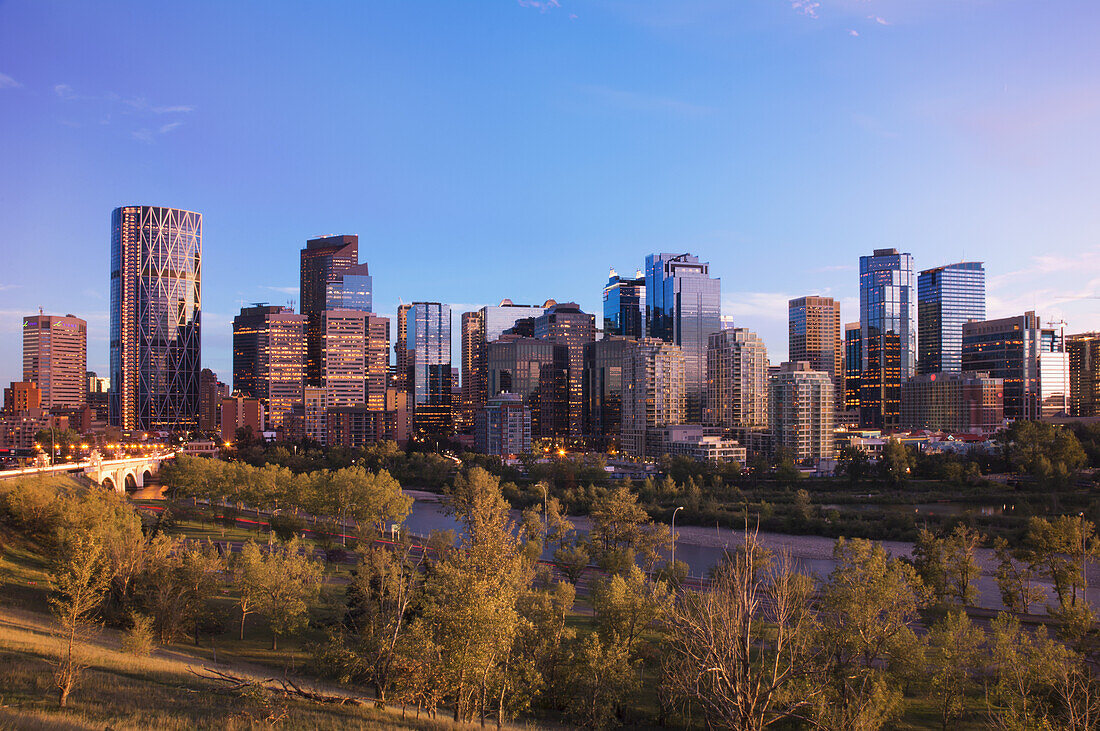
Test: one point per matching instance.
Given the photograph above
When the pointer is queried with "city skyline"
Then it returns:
(989, 179)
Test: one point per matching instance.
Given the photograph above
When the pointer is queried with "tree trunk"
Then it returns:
(274, 641)
(243, 615)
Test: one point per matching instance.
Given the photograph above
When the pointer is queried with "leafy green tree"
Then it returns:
(287, 588)
(247, 572)
(895, 463)
(1048, 452)
(80, 581)
(1061, 549)
(948, 565)
(854, 463)
(1023, 666)
(626, 605)
(600, 678)
(955, 662)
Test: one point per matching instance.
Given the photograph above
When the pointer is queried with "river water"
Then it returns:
(701, 548)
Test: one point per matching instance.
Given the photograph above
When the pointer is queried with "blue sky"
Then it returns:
(505, 148)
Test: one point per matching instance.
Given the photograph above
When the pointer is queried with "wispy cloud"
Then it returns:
(283, 290)
(143, 135)
(806, 7)
(64, 91)
(541, 5)
(7, 82)
(6, 287)
(166, 128)
(179, 108)
(879, 20)
(853, 33)
(644, 102)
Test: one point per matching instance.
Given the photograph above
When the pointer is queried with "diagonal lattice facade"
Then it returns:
(156, 268)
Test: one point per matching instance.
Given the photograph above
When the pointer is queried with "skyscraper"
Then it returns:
(156, 312)
(853, 366)
(624, 306)
(887, 316)
(355, 358)
(653, 395)
(537, 371)
(683, 306)
(603, 391)
(947, 297)
(352, 289)
(323, 263)
(401, 358)
(1013, 349)
(564, 323)
(800, 411)
(737, 379)
(55, 356)
(269, 353)
(814, 336)
(1084, 359)
(953, 401)
(211, 393)
(429, 349)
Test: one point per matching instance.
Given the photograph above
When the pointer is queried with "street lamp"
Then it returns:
(677, 510)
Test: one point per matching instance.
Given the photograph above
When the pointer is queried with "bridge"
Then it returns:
(127, 474)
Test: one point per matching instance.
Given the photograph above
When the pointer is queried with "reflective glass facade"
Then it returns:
(429, 345)
(683, 306)
(535, 370)
(351, 290)
(853, 365)
(156, 274)
(269, 353)
(1011, 349)
(603, 391)
(624, 306)
(1084, 388)
(567, 325)
(888, 323)
(947, 297)
(323, 261)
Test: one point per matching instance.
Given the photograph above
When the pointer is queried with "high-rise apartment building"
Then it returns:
(800, 412)
(55, 356)
(814, 336)
(888, 323)
(536, 371)
(1013, 349)
(355, 358)
(624, 306)
(21, 397)
(504, 426)
(853, 365)
(947, 298)
(156, 313)
(737, 379)
(654, 395)
(323, 263)
(429, 352)
(565, 324)
(603, 391)
(269, 354)
(1084, 386)
(684, 307)
(954, 402)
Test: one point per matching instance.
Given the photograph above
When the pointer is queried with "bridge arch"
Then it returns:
(108, 483)
(130, 481)
(146, 477)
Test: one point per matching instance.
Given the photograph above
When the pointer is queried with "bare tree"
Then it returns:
(742, 642)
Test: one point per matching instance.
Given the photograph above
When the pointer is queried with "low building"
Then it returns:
(953, 402)
(239, 412)
(702, 444)
(200, 448)
(503, 426)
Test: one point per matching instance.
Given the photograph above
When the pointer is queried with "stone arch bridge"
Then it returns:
(120, 475)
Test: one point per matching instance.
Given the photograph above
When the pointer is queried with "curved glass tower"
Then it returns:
(156, 274)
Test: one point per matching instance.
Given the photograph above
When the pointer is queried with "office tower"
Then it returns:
(814, 336)
(537, 371)
(683, 306)
(95, 394)
(1084, 386)
(887, 315)
(355, 358)
(800, 412)
(241, 412)
(351, 289)
(269, 354)
(156, 312)
(478, 330)
(737, 379)
(503, 426)
(947, 297)
(603, 391)
(953, 401)
(565, 324)
(853, 365)
(1012, 349)
(55, 356)
(211, 393)
(401, 348)
(315, 409)
(323, 262)
(654, 395)
(624, 306)
(429, 348)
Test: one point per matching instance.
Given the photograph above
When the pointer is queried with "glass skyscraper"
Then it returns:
(156, 272)
(323, 263)
(947, 297)
(888, 330)
(429, 346)
(683, 306)
(351, 290)
(624, 306)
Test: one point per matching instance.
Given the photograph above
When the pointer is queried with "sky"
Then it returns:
(519, 148)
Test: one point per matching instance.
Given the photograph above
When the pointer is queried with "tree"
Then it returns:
(178, 583)
(571, 561)
(599, 676)
(626, 605)
(1060, 549)
(863, 629)
(1023, 667)
(854, 463)
(80, 581)
(894, 464)
(286, 587)
(247, 575)
(1015, 575)
(1048, 452)
(955, 660)
(947, 565)
(739, 644)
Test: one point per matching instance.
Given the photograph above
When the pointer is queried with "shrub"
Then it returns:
(138, 640)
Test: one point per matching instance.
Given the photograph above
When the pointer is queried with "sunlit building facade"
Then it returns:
(355, 358)
(156, 313)
(800, 412)
(947, 298)
(888, 337)
(55, 356)
(1012, 349)
(269, 357)
(624, 306)
(814, 336)
(684, 307)
(737, 379)
(1084, 387)
(323, 262)
(654, 395)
